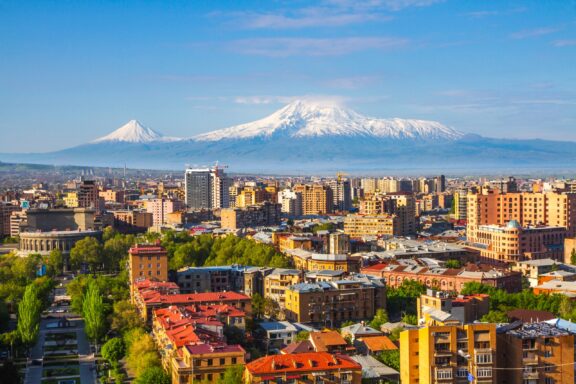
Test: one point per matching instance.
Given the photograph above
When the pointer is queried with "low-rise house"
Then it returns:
(279, 333)
(329, 341)
(205, 362)
(375, 372)
(359, 330)
(304, 368)
(375, 345)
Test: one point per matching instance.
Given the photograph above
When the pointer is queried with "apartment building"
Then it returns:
(316, 199)
(161, 208)
(400, 204)
(205, 362)
(440, 307)
(513, 243)
(449, 354)
(262, 215)
(277, 282)
(360, 225)
(147, 261)
(132, 220)
(529, 209)
(332, 302)
(536, 353)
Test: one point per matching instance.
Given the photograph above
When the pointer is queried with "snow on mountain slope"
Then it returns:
(301, 119)
(134, 132)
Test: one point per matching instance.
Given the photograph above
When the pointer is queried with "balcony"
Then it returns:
(531, 359)
(444, 374)
(443, 353)
(530, 376)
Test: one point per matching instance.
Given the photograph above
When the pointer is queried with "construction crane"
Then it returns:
(339, 175)
(218, 166)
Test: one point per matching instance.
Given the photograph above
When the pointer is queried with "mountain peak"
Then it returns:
(315, 118)
(133, 132)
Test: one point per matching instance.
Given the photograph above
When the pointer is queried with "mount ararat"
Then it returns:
(308, 137)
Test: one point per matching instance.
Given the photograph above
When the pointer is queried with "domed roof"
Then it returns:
(513, 224)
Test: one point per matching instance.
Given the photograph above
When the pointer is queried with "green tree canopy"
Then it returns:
(55, 262)
(125, 317)
(114, 350)
(94, 312)
(87, 251)
(29, 311)
(380, 318)
(390, 358)
(232, 375)
(154, 375)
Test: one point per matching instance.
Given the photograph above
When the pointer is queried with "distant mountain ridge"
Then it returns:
(307, 137)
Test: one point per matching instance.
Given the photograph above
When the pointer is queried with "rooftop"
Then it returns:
(301, 362)
(533, 330)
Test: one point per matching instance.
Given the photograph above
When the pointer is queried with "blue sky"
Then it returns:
(71, 71)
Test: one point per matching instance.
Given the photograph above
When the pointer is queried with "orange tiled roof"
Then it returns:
(301, 362)
(184, 298)
(323, 340)
(379, 343)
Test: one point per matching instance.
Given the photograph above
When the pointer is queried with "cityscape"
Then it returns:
(216, 192)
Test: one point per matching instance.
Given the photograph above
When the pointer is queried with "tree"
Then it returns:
(154, 375)
(380, 318)
(29, 311)
(453, 263)
(125, 317)
(87, 251)
(4, 316)
(257, 306)
(141, 351)
(495, 317)
(271, 307)
(302, 335)
(390, 358)
(55, 262)
(113, 351)
(573, 257)
(94, 313)
(232, 375)
(410, 319)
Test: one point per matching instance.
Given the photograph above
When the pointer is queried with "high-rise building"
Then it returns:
(291, 202)
(160, 208)
(538, 353)
(440, 184)
(5, 214)
(377, 225)
(88, 195)
(341, 194)
(530, 209)
(401, 205)
(206, 188)
(316, 199)
(449, 354)
(460, 204)
(261, 215)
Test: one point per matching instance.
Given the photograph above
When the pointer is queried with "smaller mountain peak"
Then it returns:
(133, 132)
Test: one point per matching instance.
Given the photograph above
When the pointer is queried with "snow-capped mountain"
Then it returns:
(301, 119)
(134, 132)
(308, 137)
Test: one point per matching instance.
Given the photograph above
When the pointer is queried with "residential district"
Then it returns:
(204, 277)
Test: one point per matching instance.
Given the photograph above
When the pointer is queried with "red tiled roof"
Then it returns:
(204, 349)
(298, 347)
(191, 298)
(300, 362)
(146, 249)
(379, 343)
(323, 340)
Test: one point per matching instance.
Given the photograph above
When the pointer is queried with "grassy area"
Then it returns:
(61, 371)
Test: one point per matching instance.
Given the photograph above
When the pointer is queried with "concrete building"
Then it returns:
(401, 205)
(277, 282)
(262, 215)
(316, 199)
(441, 308)
(291, 202)
(359, 225)
(341, 194)
(461, 204)
(430, 273)
(205, 362)
(538, 353)
(206, 188)
(312, 261)
(5, 214)
(278, 333)
(161, 208)
(126, 220)
(147, 261)
(529, 209)
(88, 195)
(211, 279)
(332, 303)
(447, 354)
(513, 243)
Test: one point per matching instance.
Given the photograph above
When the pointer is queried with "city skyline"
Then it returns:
(78, 71)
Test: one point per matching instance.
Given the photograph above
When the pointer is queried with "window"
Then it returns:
(222, 361)
(548, 353)
(461, 372)
(209, 362)
(484, 372)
